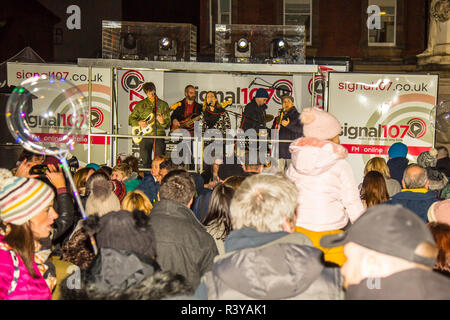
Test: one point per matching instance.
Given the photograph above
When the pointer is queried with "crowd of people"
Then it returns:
(303, 230)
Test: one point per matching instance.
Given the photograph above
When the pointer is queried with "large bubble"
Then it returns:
(440, 121)
(47, 115)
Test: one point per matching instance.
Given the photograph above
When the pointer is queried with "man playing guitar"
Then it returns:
(185, 110)
(152, 115)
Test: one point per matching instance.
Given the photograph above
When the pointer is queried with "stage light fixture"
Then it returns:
(165, 43)
(242, 50)
(279, 51)
(242, 45)
(167, 48)
(129, 50)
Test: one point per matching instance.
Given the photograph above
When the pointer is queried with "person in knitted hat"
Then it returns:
(27, 215)
(397, 162)
(328, 195)
(254, 115)
(428, 161)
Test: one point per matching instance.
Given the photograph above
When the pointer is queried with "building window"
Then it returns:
(385, 35)
(298, 12)
(224, 12)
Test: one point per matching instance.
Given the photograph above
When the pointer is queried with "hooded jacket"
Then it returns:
(328, 194)
(183, 245)
(287, 267)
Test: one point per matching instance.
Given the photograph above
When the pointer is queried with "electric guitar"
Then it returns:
(187, 123)
(148, 130)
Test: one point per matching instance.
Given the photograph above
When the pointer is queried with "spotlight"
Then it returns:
(165, 43)
(242, 45)
(129, 50)
(167, 49)
(279, 50)
(242, 50)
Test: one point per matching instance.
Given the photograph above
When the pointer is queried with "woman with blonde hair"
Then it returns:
(137, 200)
(380, 165)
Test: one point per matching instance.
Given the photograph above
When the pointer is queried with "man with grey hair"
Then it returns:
(265, 258)
(415, 195)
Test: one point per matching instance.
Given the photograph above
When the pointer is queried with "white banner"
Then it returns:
(101, 99)
(377, 110)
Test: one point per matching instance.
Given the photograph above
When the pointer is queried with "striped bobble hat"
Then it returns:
(22, 198)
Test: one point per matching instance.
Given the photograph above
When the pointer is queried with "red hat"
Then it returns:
(119, 189)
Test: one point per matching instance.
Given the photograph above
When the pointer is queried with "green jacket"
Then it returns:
(144, 108)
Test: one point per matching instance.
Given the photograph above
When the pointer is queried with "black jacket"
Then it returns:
(254, 117)
(292, 131)
(183, 245)
(444, 166)
(412, 284)
(65, 207)
(396, 167)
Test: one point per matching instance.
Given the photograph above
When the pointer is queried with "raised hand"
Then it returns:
(24, 169)
(56, 176)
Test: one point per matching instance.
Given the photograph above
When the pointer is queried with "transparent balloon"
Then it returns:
(440, 120)
(49, 116)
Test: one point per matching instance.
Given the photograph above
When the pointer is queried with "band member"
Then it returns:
(185, 110)
(214, 115)
(156, 113)
(254, 117)
(289, 126)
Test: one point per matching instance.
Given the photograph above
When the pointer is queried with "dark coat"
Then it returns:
(417, 202)
(254, 116)
(444, 166)
(292, 131)
(120, 274)
(150, 187)
(412, 284)
(183, 245)
(396, 167)
(268, 265)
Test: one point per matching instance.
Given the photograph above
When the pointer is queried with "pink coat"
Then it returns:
(27, 288)
(328, 194)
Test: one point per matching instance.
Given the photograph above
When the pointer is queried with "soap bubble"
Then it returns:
(47, 115)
